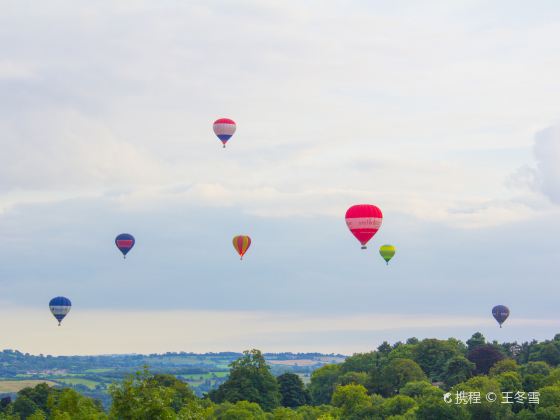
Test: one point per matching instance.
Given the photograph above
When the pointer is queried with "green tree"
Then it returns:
(397, 405)
(535, 368)
(484, 410)
(284, 413)
(505, 365)
(360, 378)
(323, 382)
(509, 381)
(421, 389)
(352, 401)
(550, 396)
(359, 362)
(434, 408)
(476, 340)
(241, 410)
(433, 355)
(550, 354)
(182, 394)
(292, 391)
(69, 403)
(458, 369)
(249, 380)
(395, 375)
(24, 407)
(141, 397)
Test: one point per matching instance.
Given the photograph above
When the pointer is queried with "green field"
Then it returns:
(101, 370)
(15, 386)
(78, 381)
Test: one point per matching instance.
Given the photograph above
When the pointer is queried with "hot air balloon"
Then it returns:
(500, 313)
(387, 252)
(241, 243)
(364, 220)
(224, 129)
(60, 306)
(125, 242)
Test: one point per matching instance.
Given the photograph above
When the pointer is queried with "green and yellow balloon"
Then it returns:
(387, 252)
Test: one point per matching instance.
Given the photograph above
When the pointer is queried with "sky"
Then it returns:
(443, 114)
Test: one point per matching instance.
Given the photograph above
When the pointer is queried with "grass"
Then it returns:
(15, 386)
(100, 370)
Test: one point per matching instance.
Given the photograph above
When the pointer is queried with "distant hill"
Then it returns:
(91, 375)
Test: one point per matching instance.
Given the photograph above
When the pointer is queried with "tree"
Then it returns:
(352, 401)
(385, 348)
(535, 368)
(323, 382)
(249, 380)
(395, 375)
(476, 340)
(292, 391)
(141, 397)
(68, 402)
(241, 410)
(359, 362)
(550, 354)
(458, 369)
(434, 408)
(359, 378)
(485, 410)
(421, 389)
(182, 394)
(24, 406)
(505, 365)
(484, 357)
(509, 381)
(433, 355)
(550, 396)
(397, 405)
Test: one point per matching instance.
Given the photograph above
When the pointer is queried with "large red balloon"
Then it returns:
(364, 220)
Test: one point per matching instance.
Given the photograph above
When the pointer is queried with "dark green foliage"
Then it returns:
(434, 408)
(323, 382)
(395, 375)
(433, 355)
(475, 341)
(292, 391)
(249, 380)
(361, 362)
(458, 369)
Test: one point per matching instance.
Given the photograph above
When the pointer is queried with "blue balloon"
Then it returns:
(125, 242)
(60, 306)
(500, 313)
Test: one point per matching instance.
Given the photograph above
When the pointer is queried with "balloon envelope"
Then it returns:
(60, 306)
(125, 242)
(500, 313)
(364, 220)
(224, 128)
(241, 243)
(387, 252)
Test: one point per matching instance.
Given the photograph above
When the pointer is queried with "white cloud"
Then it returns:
(544, 177)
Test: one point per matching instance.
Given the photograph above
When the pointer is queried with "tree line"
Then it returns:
(426, 379)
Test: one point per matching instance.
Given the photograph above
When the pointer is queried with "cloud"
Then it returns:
(547, 153)
(544, 178)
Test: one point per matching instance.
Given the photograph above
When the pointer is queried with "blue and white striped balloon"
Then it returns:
(60, 306)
